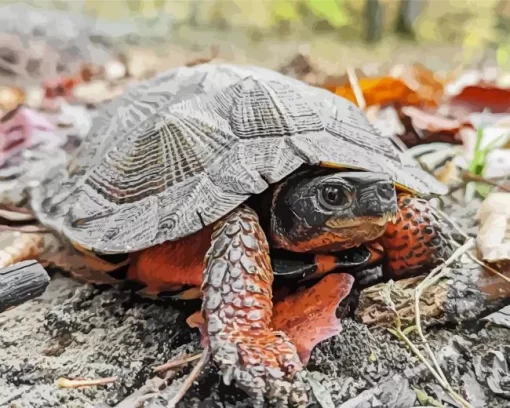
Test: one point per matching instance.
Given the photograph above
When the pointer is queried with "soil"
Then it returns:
(81, 331)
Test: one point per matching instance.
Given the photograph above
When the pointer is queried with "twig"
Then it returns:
(26, 229)
(65, 383)
(15, 209)
(354, 82)
(479, 179)
(489, 268)
(177, 363)
(13, 396)
(191, 378)
(434, 276)
(470, 254)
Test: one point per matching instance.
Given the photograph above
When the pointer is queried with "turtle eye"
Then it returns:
(334, 196)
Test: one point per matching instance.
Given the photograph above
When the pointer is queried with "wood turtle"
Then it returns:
(204, 176)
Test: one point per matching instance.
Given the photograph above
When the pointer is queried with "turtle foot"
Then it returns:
(237, 309)
(265, 366)
(418, 241)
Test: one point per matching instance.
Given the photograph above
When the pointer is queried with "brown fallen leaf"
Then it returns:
(308, 317)
(466, 294)
(214, 51)
(430, 121)
(426, 127)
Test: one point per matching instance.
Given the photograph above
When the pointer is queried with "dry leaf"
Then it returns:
(308, 317)
(25, 246)
(477, 98)
(10, 99)
(421, 80)
(425, 127)
(17, 130)
(380, 91)
(96, 92)
(493, 238)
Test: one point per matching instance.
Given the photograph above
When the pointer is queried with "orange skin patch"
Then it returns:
(408, 245)
(350, 237)
(308, 317)
(325, 263)
(171, 265)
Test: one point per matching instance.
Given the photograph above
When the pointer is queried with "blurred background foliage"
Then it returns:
(473, 25)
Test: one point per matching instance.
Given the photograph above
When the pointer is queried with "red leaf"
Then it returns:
(308, 317)
(476, 98)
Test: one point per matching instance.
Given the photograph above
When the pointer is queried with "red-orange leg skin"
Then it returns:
(417, 241)
(172, 264)
(309, 316)
(237, 308)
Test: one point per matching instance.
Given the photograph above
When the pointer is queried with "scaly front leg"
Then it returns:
(237, 308)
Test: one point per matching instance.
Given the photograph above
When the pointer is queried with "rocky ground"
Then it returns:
(80, 331)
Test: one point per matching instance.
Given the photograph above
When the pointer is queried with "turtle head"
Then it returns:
(331, 212)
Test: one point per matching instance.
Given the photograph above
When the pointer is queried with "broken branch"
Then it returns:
(191, 378)
(21, 282)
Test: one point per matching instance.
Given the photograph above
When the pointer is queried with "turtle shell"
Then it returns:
(181, 150)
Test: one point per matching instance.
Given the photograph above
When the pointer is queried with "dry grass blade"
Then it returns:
(354, 82)
(435, 275)
(177, 363)
(432, 278)
(191, 378)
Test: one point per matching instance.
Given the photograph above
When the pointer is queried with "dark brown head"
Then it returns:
(331, 212)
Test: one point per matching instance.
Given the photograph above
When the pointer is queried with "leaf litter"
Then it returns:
(413, 106)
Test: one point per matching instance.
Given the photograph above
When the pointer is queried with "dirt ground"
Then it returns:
(80, 331)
